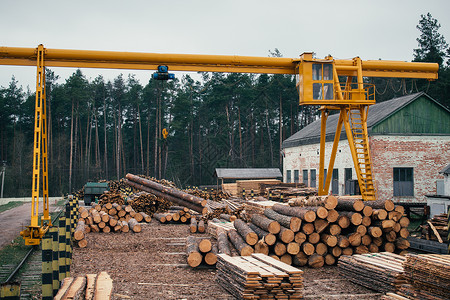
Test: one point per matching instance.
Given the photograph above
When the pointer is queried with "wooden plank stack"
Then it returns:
(253, 185)
(259, 277)
(428, 276)
(283, 192)
(89, 287)
(436, 229)
(382, 272)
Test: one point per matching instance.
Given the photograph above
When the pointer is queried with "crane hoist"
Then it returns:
(333, 84)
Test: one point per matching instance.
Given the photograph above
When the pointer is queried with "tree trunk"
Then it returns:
(290, 222)
(241, 246)
(246, 232)
(194, 257)
(302, 213)
(222, 242)
(266, 224)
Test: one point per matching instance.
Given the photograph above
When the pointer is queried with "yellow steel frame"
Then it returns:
(345, 98)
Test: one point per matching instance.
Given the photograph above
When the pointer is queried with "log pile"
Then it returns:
(318, 235)
(208, 194)
(436, 229)
(283, 192)
(428, 276)
(259, 277)
(89, 287)
(171, 194)
(109, 217)
(175, 215)
(382, 272)
(200, 250)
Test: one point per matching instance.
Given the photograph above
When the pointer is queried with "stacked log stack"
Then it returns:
(321, 230)
(200, 250)
(109, 217)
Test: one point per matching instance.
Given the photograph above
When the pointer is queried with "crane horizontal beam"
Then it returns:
(206, 63)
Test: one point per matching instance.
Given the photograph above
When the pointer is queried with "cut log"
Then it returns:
(125, 226)
(354, 239)
(350, 205)
(347, 251)
(354, 217)
(293, 223)
(367, 211)
(94, 228)
(375, 231)
(329, 240)
(211, 257)
(286, 258)
(307, 228)
(333, 215)
(385, 225)
(361, 229)
(227, 217)
(193, 226)
(404, 222)
(82, 243)
(266, 223)
(336, 251)
(400, 209)
(103, 287)
(314, 238)
(321, 249)
(404, 233)
(83, 212)
(379, 214)
(269, 238)
(64, 287)
(222, 242)
(320, 211)
(134, 225)
(316, 261)
(246, 232)
(301, 259)
(366, 240)
(366, 221)
(201, 226)
(293, 248)
(395, 215)
(286, 235)
(96, 216)
(402, 244)
(378, 241)
(330, 260)
(300, 238)
(79, 231)
(279, 248)
(204, 245)
(373, 248)
(388, 205)
(334, 229)
(160, 217)
(343, 221)
(194, 257)
(241, 246)
(361, 249)
(138, 217)
(343, 241)
(146, 217)
(262, 247)
(389, 247)
(106, 229)
(320, 225)
(308, 248)
(390, 236)
(302, 213)
(113, 221)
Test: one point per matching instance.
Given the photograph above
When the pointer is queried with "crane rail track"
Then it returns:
(19, 266)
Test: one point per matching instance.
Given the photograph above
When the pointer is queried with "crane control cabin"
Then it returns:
(332, 84)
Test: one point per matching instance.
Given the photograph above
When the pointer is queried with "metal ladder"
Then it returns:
(358, 117)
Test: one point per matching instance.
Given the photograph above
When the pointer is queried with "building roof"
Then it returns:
(377, 114)
(248, 173)
(445, 170)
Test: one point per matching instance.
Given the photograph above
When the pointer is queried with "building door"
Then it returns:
(348, 183)
(335, 182)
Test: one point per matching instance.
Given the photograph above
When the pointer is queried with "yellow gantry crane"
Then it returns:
(333, 84)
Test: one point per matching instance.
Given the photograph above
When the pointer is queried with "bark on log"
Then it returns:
(343, 241)
(320, 211)
(134, 225)
(227, 217)
(246, 232)
(350, 205)
(379, 214)
(303, 213)
(193, 226)
(241, 246)
(125, 226)
(293, 223)
(320, 225)
(402, 244)
(266, 224)
(222, 242)
(201, 226)
(160, 217)
(268, 237)
(316, 261)
(79, 231)
(301, 259)
(388, 205)
(194, 257)
(286, 235)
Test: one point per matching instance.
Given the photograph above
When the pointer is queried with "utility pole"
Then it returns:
(3, 176)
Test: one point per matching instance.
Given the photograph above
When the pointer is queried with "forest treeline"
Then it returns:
(103, 129)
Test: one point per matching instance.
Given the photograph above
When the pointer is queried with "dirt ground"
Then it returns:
(152, 265)
(14, 220)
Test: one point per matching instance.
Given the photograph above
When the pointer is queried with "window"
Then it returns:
(403, 182)
(335, 182)
(348, 181)
(288, 176)
(323, 81)
(313, 177)
(296, 176)
(305, 177)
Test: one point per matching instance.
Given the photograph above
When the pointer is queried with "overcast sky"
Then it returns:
(383, 29)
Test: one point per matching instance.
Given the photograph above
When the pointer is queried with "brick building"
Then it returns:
(409, 142)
